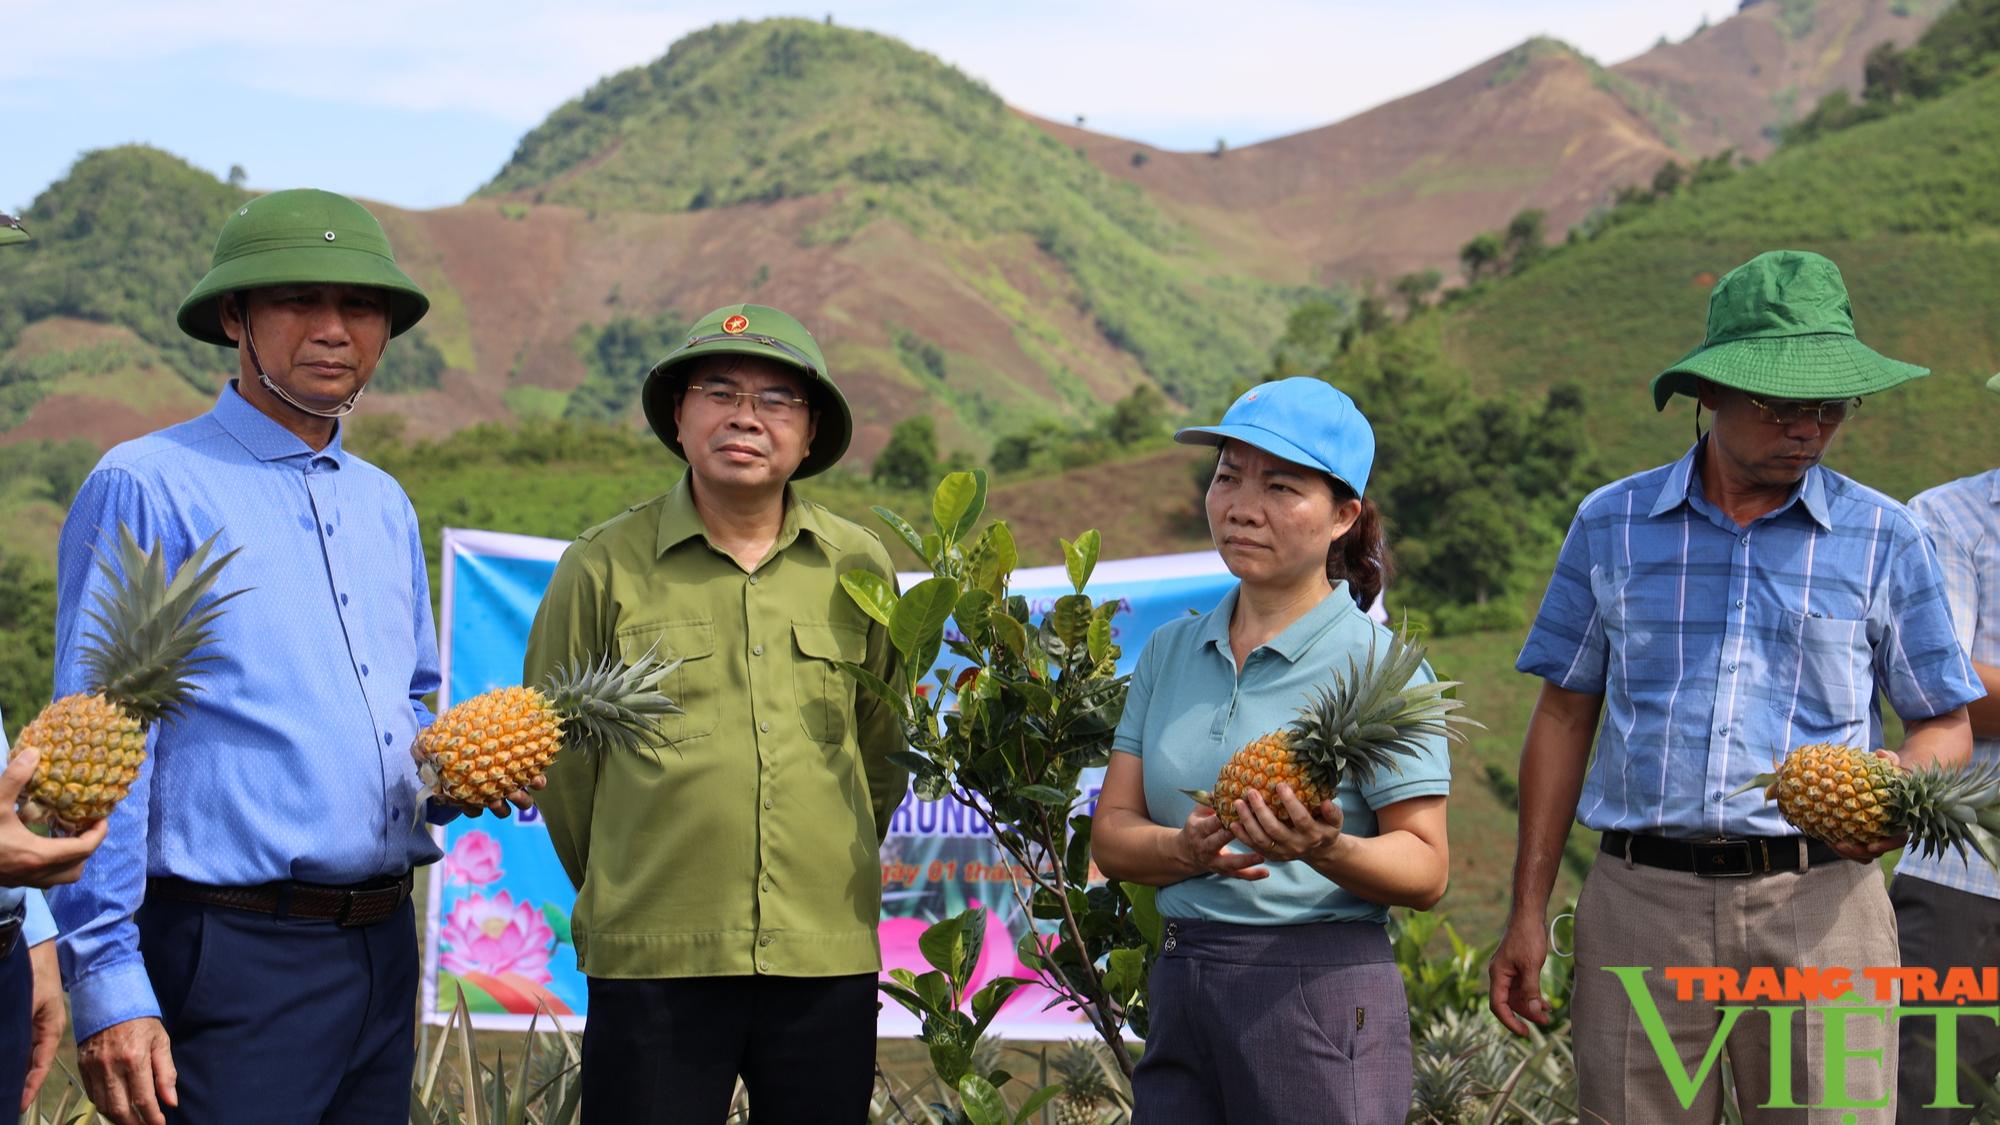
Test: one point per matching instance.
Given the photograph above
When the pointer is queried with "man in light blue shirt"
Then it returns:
(242, 949)
(1947, 906)
(1717, 612)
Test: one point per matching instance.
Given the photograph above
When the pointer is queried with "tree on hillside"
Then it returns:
(27, 638)
(1527, 239)
(1481, 256)
(616, 358)
(1668, 179)
(237, 176)
(1016, 451)
(1137, 417)
(910, 460)
(1416, 288)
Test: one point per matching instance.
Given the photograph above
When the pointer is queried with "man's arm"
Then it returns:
(1920, 660)
(568, 626)
(878, 729)
(1985, 713)
(1960, 569)
(1553, 761)
(122, 1049)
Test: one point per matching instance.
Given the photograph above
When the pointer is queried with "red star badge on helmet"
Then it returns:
(736, 324)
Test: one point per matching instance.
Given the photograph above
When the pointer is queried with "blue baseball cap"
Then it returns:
(1303, 420)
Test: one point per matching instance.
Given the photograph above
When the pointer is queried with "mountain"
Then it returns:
(1402, 186)
(957, 258)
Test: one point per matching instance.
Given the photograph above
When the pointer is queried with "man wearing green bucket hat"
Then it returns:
(241, 949)
(1717, 612)
(1948, 909)
(728, 888)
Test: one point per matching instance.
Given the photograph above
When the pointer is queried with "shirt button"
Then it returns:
(764, 940)
(765, 726)
(329, 529)
(364, 669)
(753, 580)
(396, 815)
(389, 739)
(1715, 796)
(765, 886)
(1739, 603)
(763, 966)
(757, 650)
(767, 802)
(1732, 666)
(1724, 729)
(1746, 540)
(343, 599)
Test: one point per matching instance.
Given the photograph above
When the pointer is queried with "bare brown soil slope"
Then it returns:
(1404, 185)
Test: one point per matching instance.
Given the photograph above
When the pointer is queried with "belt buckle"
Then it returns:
(1724, 858)
(1173, 938)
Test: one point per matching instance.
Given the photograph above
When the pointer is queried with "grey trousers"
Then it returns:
(1941, 927)
(1256, 1025)
(1834, 915)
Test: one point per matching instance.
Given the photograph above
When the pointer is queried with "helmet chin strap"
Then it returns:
(341, 411)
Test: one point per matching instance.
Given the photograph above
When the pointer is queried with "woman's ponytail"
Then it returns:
(1362, 555)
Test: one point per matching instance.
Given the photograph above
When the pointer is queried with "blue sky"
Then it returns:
(418, 102)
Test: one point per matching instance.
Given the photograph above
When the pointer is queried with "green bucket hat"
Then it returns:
(1780, 324)
(1993, 384)
(300, 237)
(757, 330)
(11, 230)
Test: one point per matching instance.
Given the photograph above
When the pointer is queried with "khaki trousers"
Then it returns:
(1831, 915)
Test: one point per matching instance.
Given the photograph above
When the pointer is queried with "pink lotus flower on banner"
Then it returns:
(474, 860)
(497, 936)
(997, 958)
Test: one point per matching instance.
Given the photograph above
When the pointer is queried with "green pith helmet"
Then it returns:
(757, 330)
(1781, 325)
(11, 230)
(300, 237)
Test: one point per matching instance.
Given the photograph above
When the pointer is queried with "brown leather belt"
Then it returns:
(356, 904)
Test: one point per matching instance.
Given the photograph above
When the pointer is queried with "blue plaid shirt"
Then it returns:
(292, 761)
(1963, 518)
(1718, 648)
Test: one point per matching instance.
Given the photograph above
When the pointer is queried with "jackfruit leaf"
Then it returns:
(872, 593)
(1044, 795)
(982, 1103)
(994, 558)
(933, 550)
(986, 1003)
(943, 943)
(974, 606)
(876, 686)
(919, 617)
(1080, 557)
(1010, 633)
(1145, 912)
(1126, 973)
(908, 760)
(1098, 637)
(958, 503)
(1071, 618)
(901, 527)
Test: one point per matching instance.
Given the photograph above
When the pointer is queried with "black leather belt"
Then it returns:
(357, 904)
(1725, 857)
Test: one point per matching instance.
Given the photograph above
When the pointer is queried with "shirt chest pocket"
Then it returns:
(824, 693)
(1836, 667)
(692, 686)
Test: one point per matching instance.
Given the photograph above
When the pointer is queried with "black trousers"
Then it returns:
(281, 1021)
(1940, 927)
(17, 996)
(669, 1051)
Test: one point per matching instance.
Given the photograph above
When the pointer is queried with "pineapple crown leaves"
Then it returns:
(608, 704)
(1080, 1068)
(142, 656)
(1362, 723)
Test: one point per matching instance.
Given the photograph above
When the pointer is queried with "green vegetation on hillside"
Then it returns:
(1961, 46)
(783, 109)
(616, 358)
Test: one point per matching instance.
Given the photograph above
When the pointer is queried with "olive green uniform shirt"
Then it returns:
(748, 842)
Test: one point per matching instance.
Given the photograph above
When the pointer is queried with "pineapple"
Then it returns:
(1355, 727)
(492, 744)
(1844, 795)
(1085, 1086)
(140, 661)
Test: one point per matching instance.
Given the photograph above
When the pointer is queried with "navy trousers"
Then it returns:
(663, 1052)
(284, 1021)
(17, 997)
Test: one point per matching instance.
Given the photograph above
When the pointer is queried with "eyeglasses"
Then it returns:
(1785, 411)
(771, 402)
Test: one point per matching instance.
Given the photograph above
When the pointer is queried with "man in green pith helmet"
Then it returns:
(32, 1014)
(242, 948)
(728, 888)
(1716, 613)
(1948, 907)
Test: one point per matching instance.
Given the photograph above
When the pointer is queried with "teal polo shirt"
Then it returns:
(1188, 711)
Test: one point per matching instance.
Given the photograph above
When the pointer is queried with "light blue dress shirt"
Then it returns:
(37, 926)
(1188, 710)
(1720, 648)
(1963, 518)
(292, 760)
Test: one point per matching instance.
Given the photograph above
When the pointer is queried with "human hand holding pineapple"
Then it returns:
(29, 860)
(1203, 846)
(1286, 830)
(1868, 804)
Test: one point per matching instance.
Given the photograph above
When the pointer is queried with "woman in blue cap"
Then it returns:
(1275, 997)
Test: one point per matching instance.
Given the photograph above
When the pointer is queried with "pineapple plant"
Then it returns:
(140, 662)
(1845, 795)
(1353, 728)
(1085, 1085)
(481, 750)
